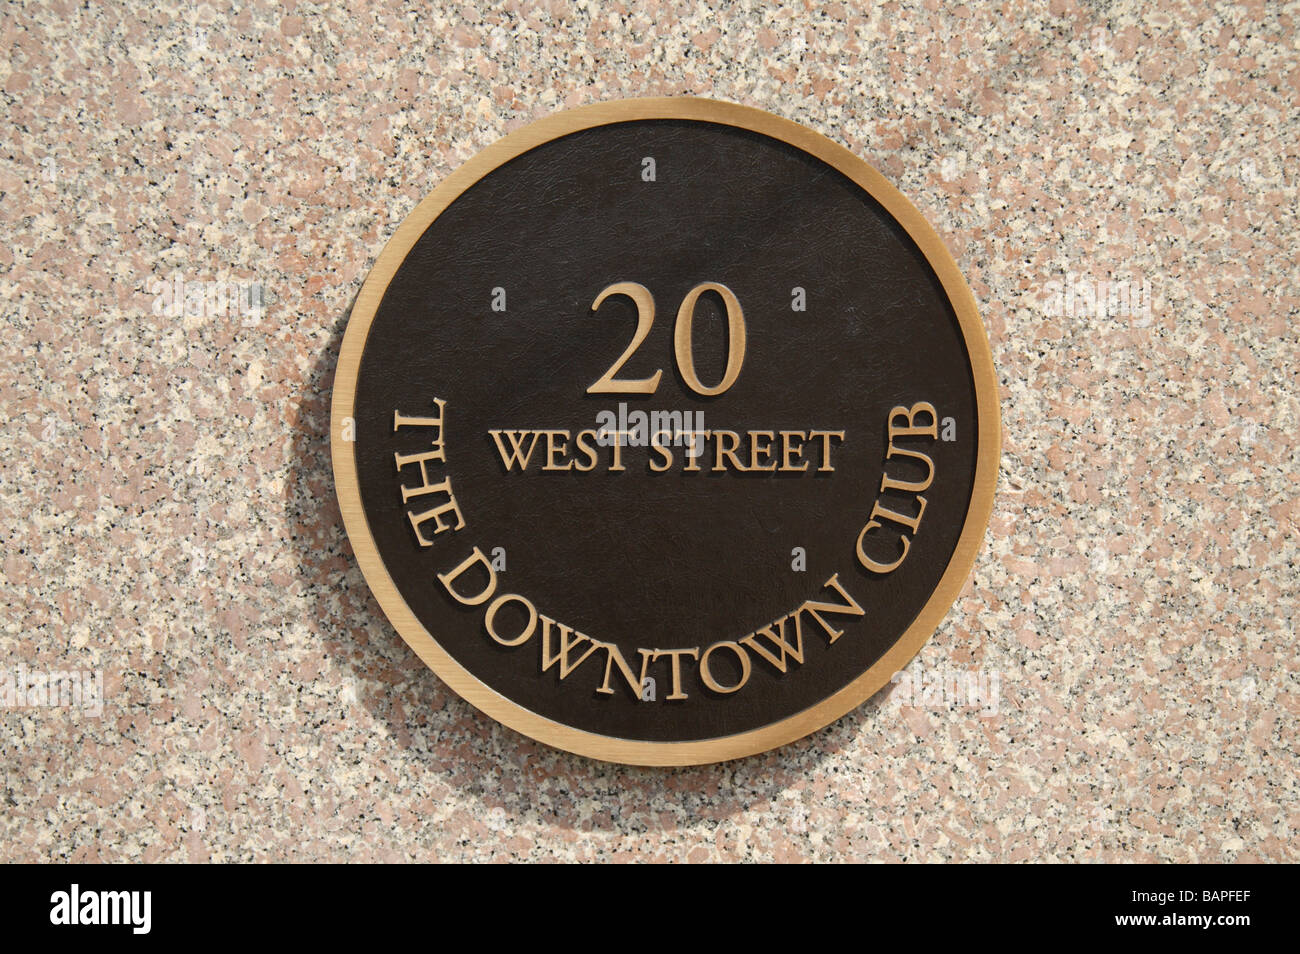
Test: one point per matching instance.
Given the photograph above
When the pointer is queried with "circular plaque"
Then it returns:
(665, 431)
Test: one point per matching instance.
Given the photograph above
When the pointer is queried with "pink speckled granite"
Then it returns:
(168, 510)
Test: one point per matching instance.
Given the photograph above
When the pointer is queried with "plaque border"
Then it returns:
(595, 745)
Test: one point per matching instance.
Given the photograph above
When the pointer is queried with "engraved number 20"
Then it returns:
(683, 340)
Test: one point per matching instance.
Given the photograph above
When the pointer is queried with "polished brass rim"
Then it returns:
(591, 744)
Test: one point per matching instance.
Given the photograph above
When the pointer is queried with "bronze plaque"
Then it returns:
(665, 431)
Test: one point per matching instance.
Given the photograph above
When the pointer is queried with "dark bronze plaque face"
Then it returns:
(665, 431)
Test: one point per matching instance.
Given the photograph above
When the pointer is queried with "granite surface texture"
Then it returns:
(167, 504)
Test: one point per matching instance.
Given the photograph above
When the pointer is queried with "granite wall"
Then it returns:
(167, 507)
